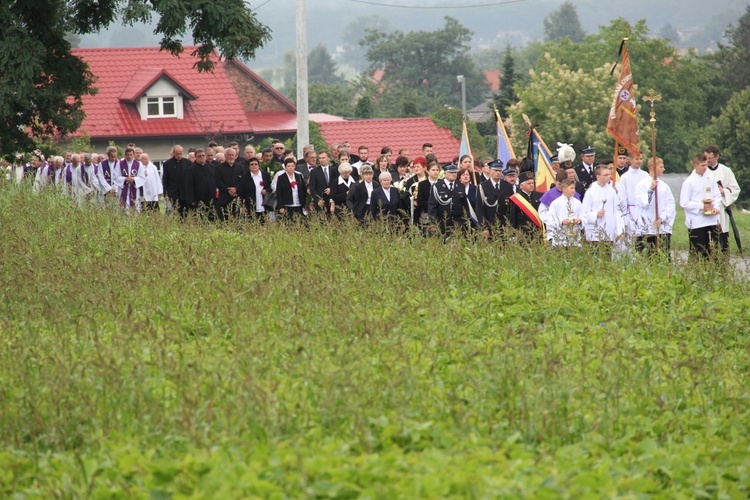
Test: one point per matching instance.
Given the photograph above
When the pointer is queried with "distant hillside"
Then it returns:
(692, 22)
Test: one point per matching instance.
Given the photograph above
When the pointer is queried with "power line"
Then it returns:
(436, 7)
(261, 5)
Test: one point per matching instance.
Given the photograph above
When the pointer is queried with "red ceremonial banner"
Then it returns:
(623, 120)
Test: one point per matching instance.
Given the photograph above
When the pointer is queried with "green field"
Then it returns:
(141, 357)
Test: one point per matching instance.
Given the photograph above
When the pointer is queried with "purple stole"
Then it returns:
(553, 194)
(69, 175)
(127, 195)
(84, 175)
(105, 171)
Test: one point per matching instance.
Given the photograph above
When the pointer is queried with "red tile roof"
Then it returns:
(397, 133)
(144, 78)
(120, 69)
(493, 78)
(269, 122)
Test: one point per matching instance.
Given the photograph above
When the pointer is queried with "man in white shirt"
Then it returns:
(627, 191)
(655, 230)
(700, 198)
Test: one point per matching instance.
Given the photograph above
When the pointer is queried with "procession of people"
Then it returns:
(612, 205)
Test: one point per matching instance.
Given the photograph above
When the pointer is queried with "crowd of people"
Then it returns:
(613, 204)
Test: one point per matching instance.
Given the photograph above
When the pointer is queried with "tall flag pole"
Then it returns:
(543, 173)
(504, 148)
(465, 149)
(622, 124)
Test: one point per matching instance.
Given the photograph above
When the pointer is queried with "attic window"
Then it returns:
(161, 106)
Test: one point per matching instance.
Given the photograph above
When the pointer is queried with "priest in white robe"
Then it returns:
(128, 179)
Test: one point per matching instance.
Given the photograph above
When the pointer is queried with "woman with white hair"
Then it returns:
(385, 202)
(340, 189)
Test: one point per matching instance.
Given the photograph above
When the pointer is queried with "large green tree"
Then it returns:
(731, 132)
(419, 69)
(734, 59)
(691, 91)
(563, 102)
(321, 68)
(564, 23)
(42, 83)
(506, 96)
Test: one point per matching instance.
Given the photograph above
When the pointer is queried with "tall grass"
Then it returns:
(144, 356)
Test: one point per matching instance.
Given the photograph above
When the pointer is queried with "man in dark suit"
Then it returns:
(307, 162)
(253, 186)
(448, 204)
(322, 179)
(173, 178)
(200, 186)
(508, 187)
(585, 170)
(489, 206)
(228, 176)
(523, 212)
(359, 198)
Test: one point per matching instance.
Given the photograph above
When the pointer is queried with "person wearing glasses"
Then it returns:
(278, 151)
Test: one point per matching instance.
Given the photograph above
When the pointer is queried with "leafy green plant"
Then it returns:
(141, 356)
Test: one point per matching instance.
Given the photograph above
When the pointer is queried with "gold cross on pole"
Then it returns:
(650, 98)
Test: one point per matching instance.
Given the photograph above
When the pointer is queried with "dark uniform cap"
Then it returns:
(588, 150)
(510, 171)
(622, 151)
(527, 175)
(553, 159)
(451, 167)
(496, 165)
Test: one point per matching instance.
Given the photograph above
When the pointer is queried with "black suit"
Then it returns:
(448, 208)
(506, 191)
(227, 176)
(318, 185)
(339, 192)
(173, 180)
(490, 206)
(423, 197)
(584, 177)
(200, 187)
(246, 190)
(284, 194)
(357, 199)
(518, 218)
(380, 206)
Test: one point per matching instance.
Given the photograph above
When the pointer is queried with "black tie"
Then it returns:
(450, 186)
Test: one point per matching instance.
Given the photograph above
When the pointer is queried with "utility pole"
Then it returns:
(462, 81)
(303, 125)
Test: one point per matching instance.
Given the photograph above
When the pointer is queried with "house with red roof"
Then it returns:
(156, 100)
(396, 133)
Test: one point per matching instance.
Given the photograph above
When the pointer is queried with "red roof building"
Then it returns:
(396, 133)
(154, 99)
